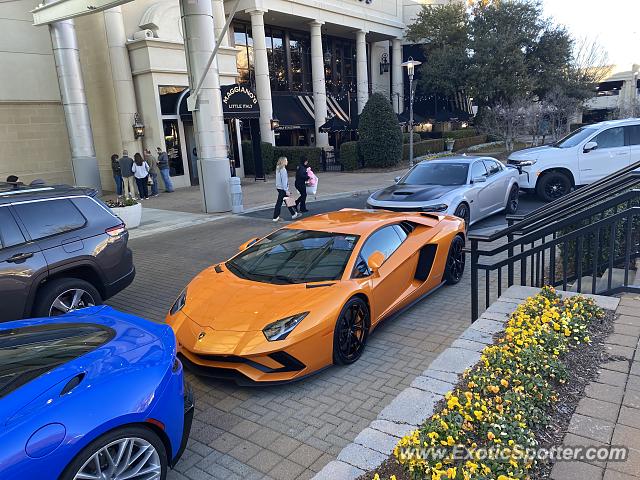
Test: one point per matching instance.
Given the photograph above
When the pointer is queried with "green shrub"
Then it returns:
(295, 154)
(423, 147)
(349, 155)
(247, 157)
(379, 132)
(430, 135)
(467, 142)
(406, 136)
(462, 133)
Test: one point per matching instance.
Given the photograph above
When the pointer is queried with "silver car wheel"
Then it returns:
(123, 459)
(71, 300)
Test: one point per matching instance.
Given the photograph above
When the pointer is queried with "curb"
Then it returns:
(416, 403)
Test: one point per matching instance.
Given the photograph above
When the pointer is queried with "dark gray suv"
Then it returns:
(60, 249)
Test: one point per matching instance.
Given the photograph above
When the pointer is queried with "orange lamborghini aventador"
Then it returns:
(309, 294)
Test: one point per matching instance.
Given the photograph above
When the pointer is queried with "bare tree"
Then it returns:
(507, 121)
(629, 107)
(559, 108)
(589, 66)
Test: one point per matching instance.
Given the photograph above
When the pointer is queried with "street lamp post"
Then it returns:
(411, 64)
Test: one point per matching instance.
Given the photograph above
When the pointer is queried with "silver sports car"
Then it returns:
(469, 187)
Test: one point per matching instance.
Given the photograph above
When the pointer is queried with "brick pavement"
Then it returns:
(288, 431)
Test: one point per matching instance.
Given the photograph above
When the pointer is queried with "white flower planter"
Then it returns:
(131, 216)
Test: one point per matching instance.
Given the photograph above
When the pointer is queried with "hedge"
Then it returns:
(462, 133)
(406, 136)
(247, 157)
(295, 154)
(468, 142)
(349, 155)
(423, 147)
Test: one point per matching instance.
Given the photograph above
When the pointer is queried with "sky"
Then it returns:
(614, 23)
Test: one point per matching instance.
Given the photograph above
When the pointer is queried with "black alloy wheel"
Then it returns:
(513, 201)
(351, 332)
(454, 267)
(552, 186)
(464, 213)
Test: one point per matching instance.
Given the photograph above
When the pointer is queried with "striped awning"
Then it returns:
(334, 108)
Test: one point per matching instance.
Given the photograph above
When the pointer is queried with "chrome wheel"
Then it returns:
(352, 331)
(123, 459)
(71, 300)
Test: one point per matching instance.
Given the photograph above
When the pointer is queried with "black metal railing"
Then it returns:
(585, 241)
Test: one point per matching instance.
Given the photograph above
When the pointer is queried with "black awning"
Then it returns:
(290, 113)
(238, 101)
(335, 124)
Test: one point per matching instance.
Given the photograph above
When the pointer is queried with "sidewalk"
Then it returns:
(183, 208)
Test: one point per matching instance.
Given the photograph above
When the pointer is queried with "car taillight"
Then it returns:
(116, 231)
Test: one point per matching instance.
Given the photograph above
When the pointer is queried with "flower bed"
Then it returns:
(502, 401)
(128, 210)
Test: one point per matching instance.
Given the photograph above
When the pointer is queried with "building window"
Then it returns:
(300, 52)
(244, 59)
(277, 60)
(340, 72)
(172, 143)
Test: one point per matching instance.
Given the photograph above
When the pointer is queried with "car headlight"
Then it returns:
(179, 303)
(279, 329)
(441, 207)
(525, 163)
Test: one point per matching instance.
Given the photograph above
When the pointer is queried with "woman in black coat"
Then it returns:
(301, 185)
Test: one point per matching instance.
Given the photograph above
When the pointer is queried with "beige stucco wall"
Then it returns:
(34, 143)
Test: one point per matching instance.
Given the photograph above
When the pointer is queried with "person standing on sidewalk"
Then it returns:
(117, 174)
(153, 171)
(301, 185)
(282, 185)
(141, 173)
(163, 165)
(126, 170)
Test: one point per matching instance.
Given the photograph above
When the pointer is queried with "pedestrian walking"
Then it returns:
(117, 174)
(163, 165)
(302, 177)
(126, 170)
(282, 185)
(154, 171)
(141, 173)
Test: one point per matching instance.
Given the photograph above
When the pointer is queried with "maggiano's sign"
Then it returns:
(239, 101)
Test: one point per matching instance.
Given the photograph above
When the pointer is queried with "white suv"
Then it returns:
(582, 157)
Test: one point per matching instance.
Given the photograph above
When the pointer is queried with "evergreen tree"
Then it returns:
(380, 137)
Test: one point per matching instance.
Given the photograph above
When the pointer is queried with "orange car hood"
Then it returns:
(225, 302)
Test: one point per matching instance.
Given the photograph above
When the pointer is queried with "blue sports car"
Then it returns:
(93, 394)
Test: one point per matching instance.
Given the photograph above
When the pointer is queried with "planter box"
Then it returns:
(130, 216)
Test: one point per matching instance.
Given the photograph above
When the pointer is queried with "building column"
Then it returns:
(318, 80)
(362, 76)
(74, 102)
(208, 121)
(219, 18)
(261, 68)
(122, 78)
(397, 80)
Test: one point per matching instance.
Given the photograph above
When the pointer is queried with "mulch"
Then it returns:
(582, 363)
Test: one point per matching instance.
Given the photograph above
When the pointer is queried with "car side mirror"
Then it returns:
(248, 243)
(590, 146)
(397, 179)
(375, 261)
(479, 179)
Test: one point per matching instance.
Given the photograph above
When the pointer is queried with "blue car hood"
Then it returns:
(413, 193)
(130, 333)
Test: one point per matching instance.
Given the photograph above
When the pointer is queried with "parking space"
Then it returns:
(288, 431)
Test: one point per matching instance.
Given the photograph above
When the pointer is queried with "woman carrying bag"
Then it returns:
(282, 185)
(140, 170)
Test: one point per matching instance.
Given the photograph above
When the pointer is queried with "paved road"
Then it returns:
(289, 431)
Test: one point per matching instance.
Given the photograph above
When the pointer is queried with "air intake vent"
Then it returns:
(218, 268)
(425, 262)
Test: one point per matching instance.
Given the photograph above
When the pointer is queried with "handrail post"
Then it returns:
(474, 280)
(510, 254)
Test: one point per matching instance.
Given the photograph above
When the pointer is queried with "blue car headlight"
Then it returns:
(441, 207)
(279, 329)
(179, 303)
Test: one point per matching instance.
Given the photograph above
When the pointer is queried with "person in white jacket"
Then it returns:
(140, 170)
(282, 185)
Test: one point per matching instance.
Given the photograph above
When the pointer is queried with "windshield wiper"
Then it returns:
(237, 270)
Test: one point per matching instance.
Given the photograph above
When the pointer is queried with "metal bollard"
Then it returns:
(236, 195)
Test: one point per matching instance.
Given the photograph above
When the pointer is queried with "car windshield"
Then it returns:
(575, 137)
(436, 173)
(29, 352)
(295, 256)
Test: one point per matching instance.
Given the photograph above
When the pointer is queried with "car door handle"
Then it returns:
(19, 257)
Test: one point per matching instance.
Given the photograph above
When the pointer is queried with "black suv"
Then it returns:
(60, 249)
